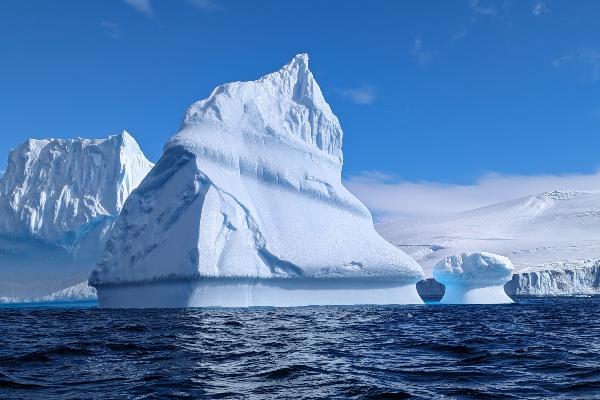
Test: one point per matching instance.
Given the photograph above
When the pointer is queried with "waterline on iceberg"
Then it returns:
(256, 292)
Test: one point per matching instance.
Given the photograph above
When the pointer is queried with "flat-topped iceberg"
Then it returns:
(246, 207)
(474, 278)
(59, 199)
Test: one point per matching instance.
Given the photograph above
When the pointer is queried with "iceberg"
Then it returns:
(571, 278)
(246, 208)
(79, 292)
(59, 199)
(474, 278)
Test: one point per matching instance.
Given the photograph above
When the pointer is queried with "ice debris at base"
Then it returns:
(79, 292)
(250, 187)
(474, 278)
(59, 199)
(552, 231)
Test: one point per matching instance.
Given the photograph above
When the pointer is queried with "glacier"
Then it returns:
(552, 238)
(474, 278)
(246, 208)
(59, 199)
(567, 278)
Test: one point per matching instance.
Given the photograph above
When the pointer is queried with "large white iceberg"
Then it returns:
(58, 201)
(246, 207)
(474, 278)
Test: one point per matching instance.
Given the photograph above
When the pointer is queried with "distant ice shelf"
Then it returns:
(577, 277)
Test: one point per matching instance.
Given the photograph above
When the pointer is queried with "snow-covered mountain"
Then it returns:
(248, 196)
(58, 201)
(556, 231)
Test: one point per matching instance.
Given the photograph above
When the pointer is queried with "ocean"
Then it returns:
(544, 348)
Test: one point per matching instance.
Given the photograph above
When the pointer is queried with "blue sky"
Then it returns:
(442, 93)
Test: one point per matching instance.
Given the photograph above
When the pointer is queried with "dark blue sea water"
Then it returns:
(534, 349)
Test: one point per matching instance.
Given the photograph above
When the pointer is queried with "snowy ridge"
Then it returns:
(251, 188)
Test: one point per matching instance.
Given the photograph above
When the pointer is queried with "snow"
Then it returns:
(59, 199)
(474, 278)
(553, 231)
(79, 292)
(249, 190)
(575, 277)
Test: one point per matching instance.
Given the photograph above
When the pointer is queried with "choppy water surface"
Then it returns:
(535, 349)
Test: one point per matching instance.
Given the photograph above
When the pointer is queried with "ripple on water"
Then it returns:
(535, 349)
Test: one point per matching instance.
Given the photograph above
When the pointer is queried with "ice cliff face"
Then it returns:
(250, 187)
(59, 199)
(55, 187)
(578, 277)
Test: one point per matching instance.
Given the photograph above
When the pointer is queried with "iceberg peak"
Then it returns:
(286, 105)
(297, 67)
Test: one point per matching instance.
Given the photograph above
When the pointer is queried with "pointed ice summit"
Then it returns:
(246, 207)
(58, 200)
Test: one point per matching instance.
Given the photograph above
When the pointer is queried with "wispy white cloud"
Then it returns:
(388, 197)
(585, 59)
(421, 55)
(111, 28)
(483, 8)
(143, 6)
(460, 34)
(539, 8)
(365, 94)
(206, 5)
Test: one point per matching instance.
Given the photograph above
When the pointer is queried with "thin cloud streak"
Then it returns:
(142, 6)
(111, 28)
(540, 8)
(483, 9)
(388, 198)
(586, 59)
(206, 5)
(362, 95)
(421, 55)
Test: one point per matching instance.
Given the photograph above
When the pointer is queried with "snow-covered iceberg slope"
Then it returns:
(58, 201)
(551, 238)
(474, 278)
(246, 207)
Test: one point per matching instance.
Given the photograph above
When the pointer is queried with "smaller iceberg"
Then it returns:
(474, 278)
